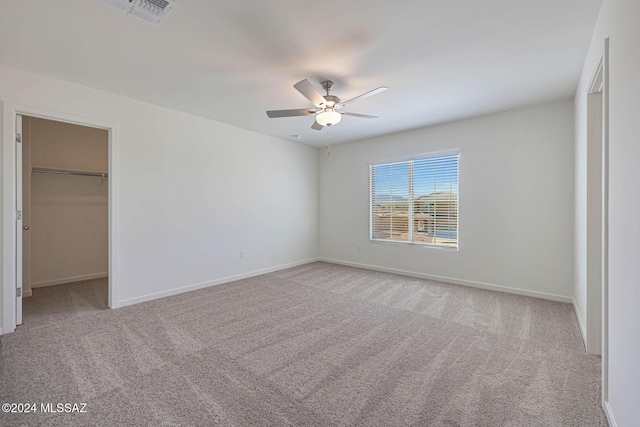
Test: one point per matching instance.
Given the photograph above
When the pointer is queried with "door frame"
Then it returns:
(595, 210)
(605, 228)
(10, 190)
(598, 320)
(19, 220)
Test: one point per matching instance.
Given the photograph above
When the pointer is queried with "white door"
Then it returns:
(19, 230)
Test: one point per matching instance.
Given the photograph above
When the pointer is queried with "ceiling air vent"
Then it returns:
(151, 11)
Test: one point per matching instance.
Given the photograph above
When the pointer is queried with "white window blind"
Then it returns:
(416, 201)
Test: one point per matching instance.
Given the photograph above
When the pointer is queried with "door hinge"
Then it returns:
(18, 292)
(19, 215)
(19, 138)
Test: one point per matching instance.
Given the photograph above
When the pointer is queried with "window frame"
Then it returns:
(411, 205)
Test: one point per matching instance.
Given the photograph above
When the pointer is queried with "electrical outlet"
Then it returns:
(242, 254)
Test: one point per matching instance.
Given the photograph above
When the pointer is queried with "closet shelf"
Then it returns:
(60, 171)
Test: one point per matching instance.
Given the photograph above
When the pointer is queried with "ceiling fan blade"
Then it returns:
(316, 126)
(365, 95)
(364, 116)
(310, 92)
(291, 113)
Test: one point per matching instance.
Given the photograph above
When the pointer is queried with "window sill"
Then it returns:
(422, 245)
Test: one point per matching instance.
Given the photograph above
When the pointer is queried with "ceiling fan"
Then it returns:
(326, 106)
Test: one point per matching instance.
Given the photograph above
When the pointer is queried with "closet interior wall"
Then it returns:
(68, 225)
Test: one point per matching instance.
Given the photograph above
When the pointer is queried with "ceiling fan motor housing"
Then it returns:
(331, 100)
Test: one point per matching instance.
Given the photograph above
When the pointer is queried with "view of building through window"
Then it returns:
(416, 201)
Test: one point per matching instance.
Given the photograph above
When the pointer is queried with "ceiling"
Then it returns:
(232, 60)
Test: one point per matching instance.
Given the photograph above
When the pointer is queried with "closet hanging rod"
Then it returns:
(69, 172)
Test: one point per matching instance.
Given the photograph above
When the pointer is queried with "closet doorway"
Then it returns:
(65, 220)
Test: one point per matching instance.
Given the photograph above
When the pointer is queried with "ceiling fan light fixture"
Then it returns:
(328, 117)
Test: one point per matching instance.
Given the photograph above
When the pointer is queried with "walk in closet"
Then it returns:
(65, 184)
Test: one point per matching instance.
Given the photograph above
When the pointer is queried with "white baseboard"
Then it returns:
(609, 413)
(469, 283)
(183, 289)
(68, 280)
(26, 293)
(583, 330)
(1, 331)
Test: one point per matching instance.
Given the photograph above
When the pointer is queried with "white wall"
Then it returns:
(192, 192)
(67, 146)
(516, 201)
(619, 20)
(69, 215)
(624, 212)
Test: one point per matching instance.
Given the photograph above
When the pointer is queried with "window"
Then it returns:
(416, 201)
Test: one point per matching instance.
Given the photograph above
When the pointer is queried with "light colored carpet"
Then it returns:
(314, 345)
